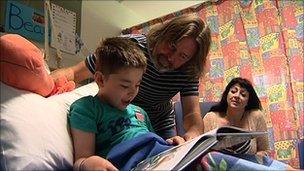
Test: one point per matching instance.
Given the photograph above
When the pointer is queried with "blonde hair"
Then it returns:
(178, 28)
(116, 53)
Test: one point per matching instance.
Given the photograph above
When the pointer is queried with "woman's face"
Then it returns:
(170, 56)
(237, 97)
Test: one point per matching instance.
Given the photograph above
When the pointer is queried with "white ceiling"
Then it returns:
(158, 8)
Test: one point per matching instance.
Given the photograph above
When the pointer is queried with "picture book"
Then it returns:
(179, 157)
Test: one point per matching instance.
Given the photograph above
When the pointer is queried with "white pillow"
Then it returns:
(34, 130)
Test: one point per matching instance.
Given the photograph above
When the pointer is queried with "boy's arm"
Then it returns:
(84, 151)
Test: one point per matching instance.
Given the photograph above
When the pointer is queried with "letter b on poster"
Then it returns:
(24, 20)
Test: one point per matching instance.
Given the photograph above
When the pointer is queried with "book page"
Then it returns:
(198, 150)
(169, 158)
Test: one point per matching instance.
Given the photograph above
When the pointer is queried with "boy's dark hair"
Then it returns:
(253, 101)
(117, 53)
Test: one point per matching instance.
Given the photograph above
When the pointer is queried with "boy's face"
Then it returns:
(119, 89)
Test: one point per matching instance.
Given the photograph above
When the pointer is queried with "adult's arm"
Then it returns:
(84, 152)
(193, 122)
(77, 73)
(262, 142)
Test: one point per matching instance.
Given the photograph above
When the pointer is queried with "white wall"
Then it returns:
(154, 9)
(66, 61)
(105, 19)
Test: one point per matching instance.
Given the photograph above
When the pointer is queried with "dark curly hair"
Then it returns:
(253, 101)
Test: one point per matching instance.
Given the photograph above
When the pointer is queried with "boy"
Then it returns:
(99, 123)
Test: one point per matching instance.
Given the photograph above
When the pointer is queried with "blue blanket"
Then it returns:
(128, 154)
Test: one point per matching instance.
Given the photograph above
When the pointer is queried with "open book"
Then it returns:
(178, 157)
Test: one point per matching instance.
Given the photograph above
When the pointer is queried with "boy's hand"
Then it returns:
(97, 163)
(176, 140)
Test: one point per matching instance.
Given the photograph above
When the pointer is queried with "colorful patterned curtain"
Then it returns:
(261, 40)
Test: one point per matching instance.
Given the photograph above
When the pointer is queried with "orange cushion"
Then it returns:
(22, 65)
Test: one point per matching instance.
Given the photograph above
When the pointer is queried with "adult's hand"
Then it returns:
(176, 140)
(191, 134)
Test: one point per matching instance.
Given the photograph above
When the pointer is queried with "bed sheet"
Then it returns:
(34, 130)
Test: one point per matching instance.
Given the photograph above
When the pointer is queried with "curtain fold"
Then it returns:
(263, 42)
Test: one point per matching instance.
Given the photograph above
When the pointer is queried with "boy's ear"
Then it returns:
(99, 78)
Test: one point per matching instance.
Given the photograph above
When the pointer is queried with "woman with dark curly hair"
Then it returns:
(240, 107)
